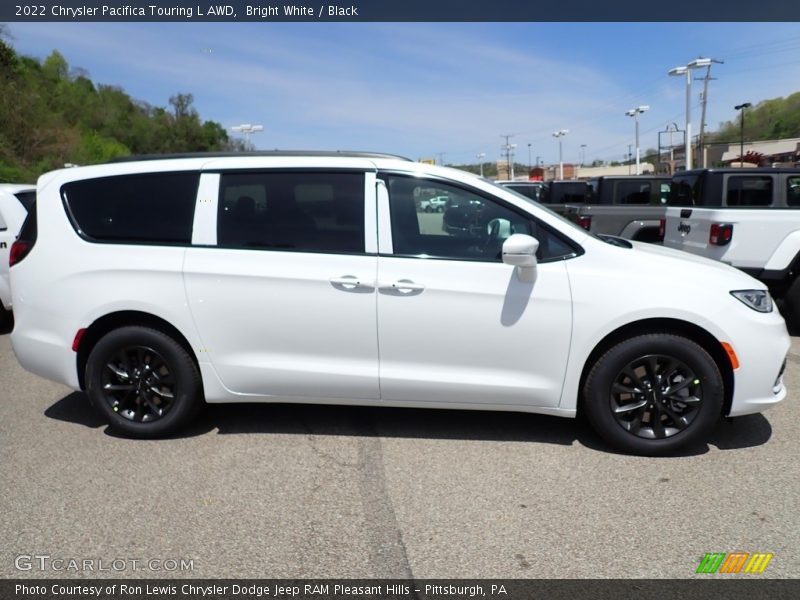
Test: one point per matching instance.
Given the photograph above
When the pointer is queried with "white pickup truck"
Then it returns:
(747, 218)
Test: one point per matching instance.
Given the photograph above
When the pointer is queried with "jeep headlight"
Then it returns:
(758, 300)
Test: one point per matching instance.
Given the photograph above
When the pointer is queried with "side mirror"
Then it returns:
(519, 250)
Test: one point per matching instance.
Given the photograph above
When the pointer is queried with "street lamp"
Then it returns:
(697, 63)
(583, 153)
(247, 129)
(558, 135)
(635, 112)
(741, 107)
(480, 158)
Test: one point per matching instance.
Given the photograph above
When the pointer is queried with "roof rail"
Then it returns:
(326, 153)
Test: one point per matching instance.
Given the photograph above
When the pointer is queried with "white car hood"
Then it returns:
(697, 265)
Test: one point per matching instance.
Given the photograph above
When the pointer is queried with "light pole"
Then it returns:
(583, 154)
(697, 63)
(529, 158)
(558, 135)
(635, 112)
(741, 107)
(247, 129)
(480, 158)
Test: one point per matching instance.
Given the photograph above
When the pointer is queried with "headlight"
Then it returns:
(759, 300)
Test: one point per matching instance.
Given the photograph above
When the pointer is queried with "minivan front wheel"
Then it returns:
(654, 394)
(143, 381)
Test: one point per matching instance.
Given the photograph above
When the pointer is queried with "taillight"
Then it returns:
(19, 250)
(662, 228)
(720, 234)
(585, 222)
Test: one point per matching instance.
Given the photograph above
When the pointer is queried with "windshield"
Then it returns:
(544, 207)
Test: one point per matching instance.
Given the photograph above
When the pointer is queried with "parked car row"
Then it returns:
(315, 277)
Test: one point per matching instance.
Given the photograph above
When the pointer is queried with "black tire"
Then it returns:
(143, 382)
(428, 209)
(635, 416)
(6, 319)
(791, 306)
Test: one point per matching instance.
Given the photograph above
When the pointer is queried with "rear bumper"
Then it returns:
(44, 353)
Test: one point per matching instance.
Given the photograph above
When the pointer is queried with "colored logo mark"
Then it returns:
(734, 562)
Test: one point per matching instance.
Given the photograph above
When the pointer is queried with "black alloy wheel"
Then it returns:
(654, 394)
(138, 384)
(143, 381)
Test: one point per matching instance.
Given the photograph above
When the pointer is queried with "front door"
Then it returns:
(455, 324)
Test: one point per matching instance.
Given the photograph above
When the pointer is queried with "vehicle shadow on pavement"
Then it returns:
(75, 408)
(321, 420)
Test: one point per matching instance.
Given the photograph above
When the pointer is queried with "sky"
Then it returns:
(435, 90)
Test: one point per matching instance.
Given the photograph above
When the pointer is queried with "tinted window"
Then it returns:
(29, 230)
(633, 192)
(472, 227)
(749, 190)
(303, 212)
(685, 191)
(533, 192)
(156, 208)
(26, 199)
(568, 192)
(793, 191)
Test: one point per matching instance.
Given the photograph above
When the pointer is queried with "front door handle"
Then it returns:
(402, 286)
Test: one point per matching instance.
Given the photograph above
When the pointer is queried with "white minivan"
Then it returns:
(159, 284)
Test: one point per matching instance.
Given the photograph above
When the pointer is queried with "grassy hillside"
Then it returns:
(51, 115)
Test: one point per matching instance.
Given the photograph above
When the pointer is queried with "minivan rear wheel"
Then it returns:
(654, 394)
(143, 381)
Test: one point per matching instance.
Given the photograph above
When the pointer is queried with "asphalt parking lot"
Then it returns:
(304, 491)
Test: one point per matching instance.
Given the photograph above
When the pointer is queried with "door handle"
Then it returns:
(349, 282)
(403, 286)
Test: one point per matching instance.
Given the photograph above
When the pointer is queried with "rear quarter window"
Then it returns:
(153, 208)
(749, 191)
(26, 199)
(633, 192)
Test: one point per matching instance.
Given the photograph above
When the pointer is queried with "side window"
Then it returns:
(633, 192)
(685, 190)
(292, 211)
(154, 208)
(749, 191)
(471, 227)
(26, 199)
(793, 191)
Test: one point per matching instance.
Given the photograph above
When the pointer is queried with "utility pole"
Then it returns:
(508, 152)
(705, 79)
(480, 158)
